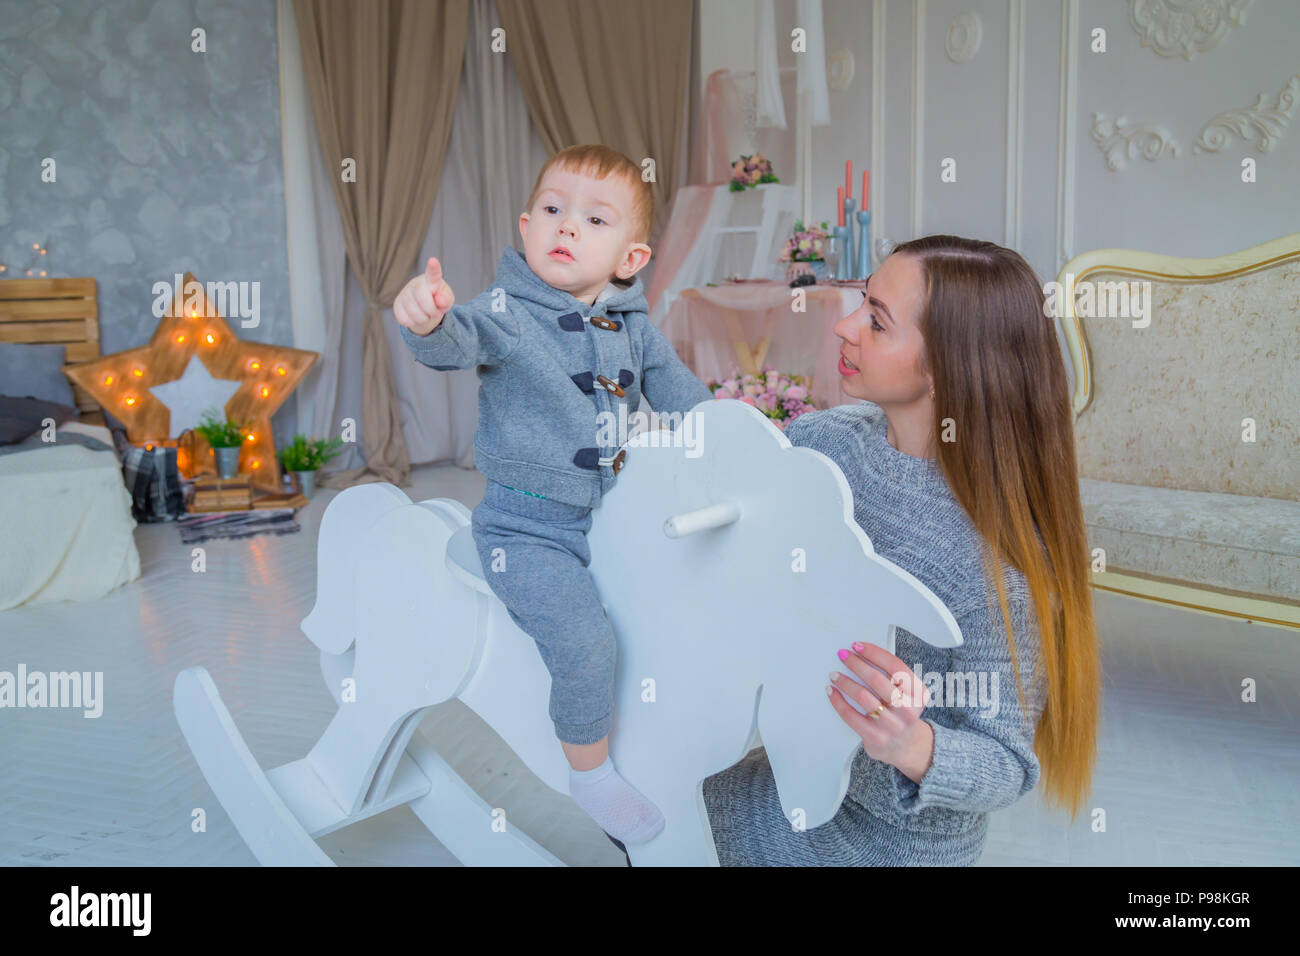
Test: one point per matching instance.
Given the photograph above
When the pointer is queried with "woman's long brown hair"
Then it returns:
(1000, 378)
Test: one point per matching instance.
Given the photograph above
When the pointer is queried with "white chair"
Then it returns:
(732, 569)
(757, 244)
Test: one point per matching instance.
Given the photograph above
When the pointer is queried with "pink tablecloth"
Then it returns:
(717, 327)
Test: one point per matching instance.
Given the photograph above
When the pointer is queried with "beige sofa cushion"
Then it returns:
(1168, 400)
(1232, 542)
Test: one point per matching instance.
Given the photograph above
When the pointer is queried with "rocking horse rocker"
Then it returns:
(731, 577)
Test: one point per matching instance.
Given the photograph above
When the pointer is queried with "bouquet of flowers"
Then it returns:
(779, 396)
(807, 244)
(749, 171)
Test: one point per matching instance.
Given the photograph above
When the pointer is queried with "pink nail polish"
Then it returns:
(844, 655)
(859, 646)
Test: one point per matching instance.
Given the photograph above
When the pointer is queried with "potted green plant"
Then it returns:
(225, 437)
(304, 456)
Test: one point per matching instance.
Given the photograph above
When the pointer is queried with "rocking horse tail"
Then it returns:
(916, 609)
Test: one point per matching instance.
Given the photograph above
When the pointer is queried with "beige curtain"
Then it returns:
(383, 77)
(616, 72)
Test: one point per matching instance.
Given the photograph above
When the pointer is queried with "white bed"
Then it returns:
(66, 530)
(65, 515)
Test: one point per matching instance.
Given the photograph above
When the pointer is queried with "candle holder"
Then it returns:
(864, 245)
(847, 258)
(843, 237)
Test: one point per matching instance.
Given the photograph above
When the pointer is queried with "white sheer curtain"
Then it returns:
(492, 159)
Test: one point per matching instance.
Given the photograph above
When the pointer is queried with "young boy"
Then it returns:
(562, 336)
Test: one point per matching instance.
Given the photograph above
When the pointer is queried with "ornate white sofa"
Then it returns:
(1187, 510)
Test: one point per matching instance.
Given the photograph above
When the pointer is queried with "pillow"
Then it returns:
(35, 371)
(23, 417)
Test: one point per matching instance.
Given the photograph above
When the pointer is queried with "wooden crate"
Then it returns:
(55, 312)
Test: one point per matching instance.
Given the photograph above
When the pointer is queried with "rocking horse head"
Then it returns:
(732, 572)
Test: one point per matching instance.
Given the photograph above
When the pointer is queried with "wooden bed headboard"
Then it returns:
(55, 312)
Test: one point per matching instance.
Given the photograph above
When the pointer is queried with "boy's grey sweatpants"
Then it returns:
(544, 582)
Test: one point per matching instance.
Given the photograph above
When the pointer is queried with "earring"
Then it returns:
(931, 394)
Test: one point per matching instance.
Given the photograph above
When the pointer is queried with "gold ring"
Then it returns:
(874, 713)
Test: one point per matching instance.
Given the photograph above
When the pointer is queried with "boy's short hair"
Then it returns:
(599, 162)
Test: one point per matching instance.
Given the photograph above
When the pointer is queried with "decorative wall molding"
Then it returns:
(877, 126)
(1185, 27)
(1269, 123)
(1066, 131)
(1120, 142)
(962, 41)
(1017, 14)
(918, 115)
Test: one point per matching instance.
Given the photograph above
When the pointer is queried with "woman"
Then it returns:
(965, 454)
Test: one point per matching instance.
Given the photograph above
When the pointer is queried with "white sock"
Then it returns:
(615, 804)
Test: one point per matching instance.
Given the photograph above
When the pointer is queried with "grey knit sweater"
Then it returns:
(983, 745)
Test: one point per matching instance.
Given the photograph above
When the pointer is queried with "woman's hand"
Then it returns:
(894, 697)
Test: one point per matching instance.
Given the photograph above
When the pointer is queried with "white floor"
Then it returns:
(1188, 774)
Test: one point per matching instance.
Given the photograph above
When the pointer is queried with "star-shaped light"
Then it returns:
(132, 385)
(191, 394)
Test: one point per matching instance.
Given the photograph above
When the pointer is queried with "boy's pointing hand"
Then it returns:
(424, 300)
(441, 298)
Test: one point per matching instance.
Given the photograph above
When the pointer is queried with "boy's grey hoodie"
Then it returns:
(538, 356)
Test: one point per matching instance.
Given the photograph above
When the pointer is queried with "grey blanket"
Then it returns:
(33, 441)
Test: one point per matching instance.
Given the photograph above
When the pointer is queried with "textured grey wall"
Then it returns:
(167, 159)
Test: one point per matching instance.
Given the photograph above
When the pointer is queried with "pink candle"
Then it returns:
(866, 179)
(839, 205)
(848, 179)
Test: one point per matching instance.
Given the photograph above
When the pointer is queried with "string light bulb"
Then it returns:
(210, 338)
(265, 391)
(108, 380)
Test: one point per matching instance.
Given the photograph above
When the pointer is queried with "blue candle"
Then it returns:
(864, 245)
(846, 265)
